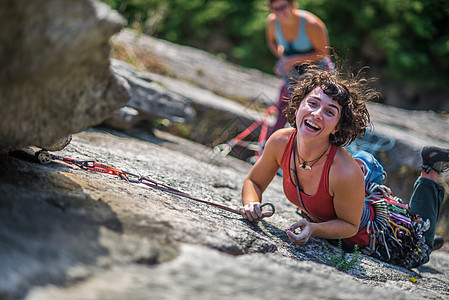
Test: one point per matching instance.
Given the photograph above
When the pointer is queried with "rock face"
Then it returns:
(68, 233)
(55, 77)
(211, 119)
(203, 69)
(149, 100)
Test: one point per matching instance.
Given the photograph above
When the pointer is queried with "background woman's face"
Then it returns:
(280, 7)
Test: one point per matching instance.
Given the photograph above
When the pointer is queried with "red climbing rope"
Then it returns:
(45, 157)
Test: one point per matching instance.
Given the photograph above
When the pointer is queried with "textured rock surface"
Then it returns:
(55, 77)
(209, 117)
(150, 99)
(68, 233)
(203, 69)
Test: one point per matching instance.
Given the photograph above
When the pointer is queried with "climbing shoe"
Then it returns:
(438, 242)
(435, 159)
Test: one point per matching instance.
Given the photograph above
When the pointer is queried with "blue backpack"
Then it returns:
(376, 172)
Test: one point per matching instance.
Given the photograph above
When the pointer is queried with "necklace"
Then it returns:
(305, 166)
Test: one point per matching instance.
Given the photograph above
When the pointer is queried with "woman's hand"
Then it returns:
(303, 236)
(251, 211)
(286, 64)
(277, 70)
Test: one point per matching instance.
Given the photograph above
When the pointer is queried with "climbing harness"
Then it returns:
(397, 230)
(46, 158)
(224, 149)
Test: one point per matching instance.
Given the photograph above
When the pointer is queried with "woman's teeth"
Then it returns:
(312, 125)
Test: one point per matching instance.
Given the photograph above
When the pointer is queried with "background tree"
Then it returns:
(407, 38)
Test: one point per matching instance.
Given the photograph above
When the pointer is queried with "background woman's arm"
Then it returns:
(271, 38)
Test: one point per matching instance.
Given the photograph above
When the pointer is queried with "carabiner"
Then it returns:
(130, 177)
(268, 213)
(222, 149)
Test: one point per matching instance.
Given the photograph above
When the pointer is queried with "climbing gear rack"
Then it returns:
(396, 233)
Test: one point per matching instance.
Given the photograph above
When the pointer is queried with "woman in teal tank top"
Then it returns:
(295, 37)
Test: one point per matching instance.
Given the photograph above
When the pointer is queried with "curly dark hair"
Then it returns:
(351, 92)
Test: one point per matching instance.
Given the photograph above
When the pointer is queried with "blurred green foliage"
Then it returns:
(407, 38)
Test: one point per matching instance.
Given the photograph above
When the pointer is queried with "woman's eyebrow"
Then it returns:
(319, 99)
(335, 106)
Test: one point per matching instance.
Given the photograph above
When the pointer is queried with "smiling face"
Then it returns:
(318, 115)
(317, 92)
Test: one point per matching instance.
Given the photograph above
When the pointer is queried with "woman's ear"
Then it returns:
(336, 129)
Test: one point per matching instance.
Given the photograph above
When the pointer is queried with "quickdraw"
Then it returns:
(45, 158)
(397, 230)
(226, 148)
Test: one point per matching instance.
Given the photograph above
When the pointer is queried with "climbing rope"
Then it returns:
(46, 158)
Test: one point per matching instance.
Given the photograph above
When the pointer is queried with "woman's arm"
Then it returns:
(317, 32)
(262, 174)
(271, 37)
(347, 186)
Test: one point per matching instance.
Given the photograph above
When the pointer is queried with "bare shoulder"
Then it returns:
(271, 24)
(277, 142)
(280, 136)
(271, 19)
(345, 170)
(312, 20)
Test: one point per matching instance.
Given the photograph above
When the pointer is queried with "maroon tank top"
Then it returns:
(320, 206)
